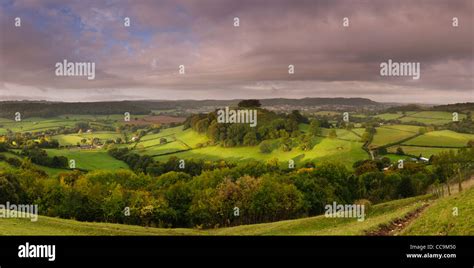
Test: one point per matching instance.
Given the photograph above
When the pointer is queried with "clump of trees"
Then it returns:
(249, 103)
(146, 164)
(270, 126)
(451, 166)
(465, 125)
(40, 157)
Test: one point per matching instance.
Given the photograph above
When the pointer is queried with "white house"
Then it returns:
(424, 159)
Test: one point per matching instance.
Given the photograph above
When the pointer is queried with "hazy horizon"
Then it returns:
(207, 99)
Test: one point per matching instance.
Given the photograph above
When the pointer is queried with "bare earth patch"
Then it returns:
(399, 224)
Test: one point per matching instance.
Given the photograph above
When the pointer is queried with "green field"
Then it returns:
(393, 133)
(303, 127)
(346, 152)
(445, 138)
(48, 170)
(359, 131)
(431, 117)
(74, 139)
(425, 117)
(343, 133)
(163, 133)
(416, 151)
(395, 157)
(89, 159)
(34, 124)
(389, 116)
(37, 124)
(319, 225)
(177, 140)
(327, 113)
(438, 219)
(171, 146)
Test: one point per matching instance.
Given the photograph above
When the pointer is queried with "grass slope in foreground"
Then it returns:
(438, 219)
(319, 225)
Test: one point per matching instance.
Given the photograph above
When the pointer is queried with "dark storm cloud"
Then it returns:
(249, 61)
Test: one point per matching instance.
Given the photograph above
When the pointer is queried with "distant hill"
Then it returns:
(406, 108)
(49, 109)
(320, 101)
(457, 107)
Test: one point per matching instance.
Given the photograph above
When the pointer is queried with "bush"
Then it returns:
(366, 203)
(14, 161)
(266, 147)
(400, 151)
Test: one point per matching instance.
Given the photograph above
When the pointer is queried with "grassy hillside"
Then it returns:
(416, 151)
(36, 124)
(89, 160)
(327, 149)
(48, 170)
(56, 226)
(319, 225)
(344, 134)
(74, 139)
(445, 138)
(393, 133)
(389, 116)
(438, 219)
(425, 117)
(176, 140)
(431, 117)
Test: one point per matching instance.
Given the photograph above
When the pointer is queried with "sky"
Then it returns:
(226, 62)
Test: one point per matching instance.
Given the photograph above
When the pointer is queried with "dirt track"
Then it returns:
(399, 224)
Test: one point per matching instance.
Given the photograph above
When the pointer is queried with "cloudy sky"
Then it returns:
(224, 62)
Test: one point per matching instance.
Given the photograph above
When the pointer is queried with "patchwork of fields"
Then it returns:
(89, 159)
(425, 117)
(33, 124)
(346, 147)
(417, 151)
(74, 139)
(327, 149)
(393, 133)
(344, 134)
(442, 138)
(431, 117)
(36, 124)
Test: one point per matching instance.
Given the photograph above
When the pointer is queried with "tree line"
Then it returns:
(260, 192)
